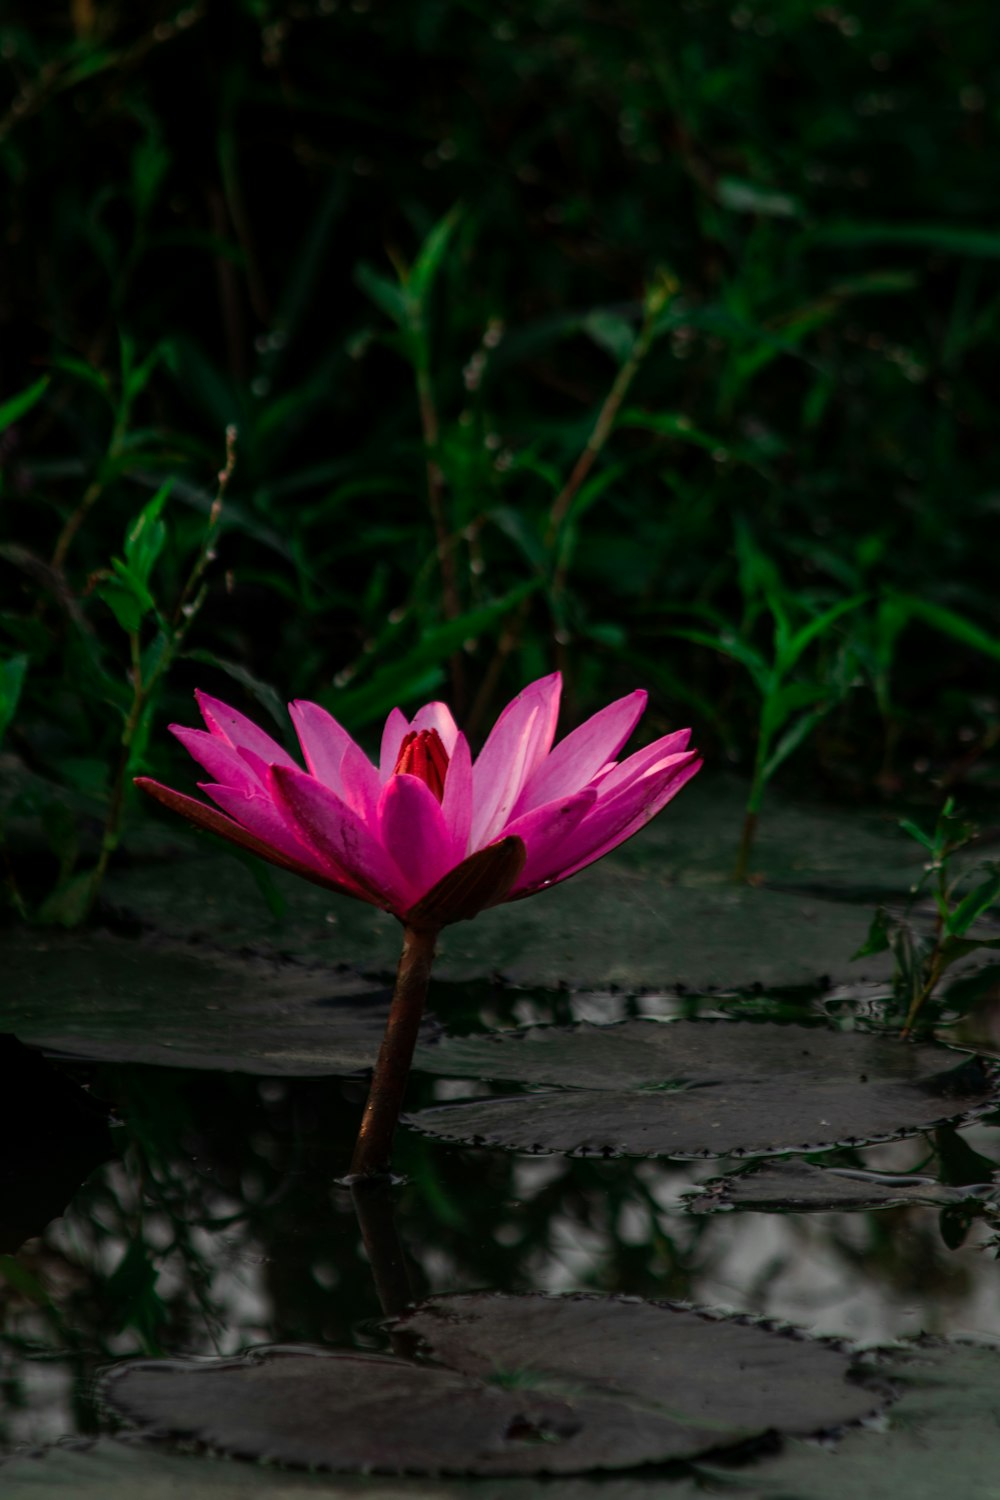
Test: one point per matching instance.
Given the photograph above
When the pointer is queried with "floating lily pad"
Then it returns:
(97, 996)
(701, 1088)
(943, 1438)
(783, 1186)
(614, 924)
(525, 1385)
(114, 1470)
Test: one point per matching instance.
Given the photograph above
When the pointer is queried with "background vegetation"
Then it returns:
(653, 341)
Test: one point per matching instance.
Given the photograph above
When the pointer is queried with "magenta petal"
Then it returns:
(518, 742)
(622, 775)
(360, 784)
(396, 727)
(613, 820)
(437, 716)
(240, 732)
(224, 764)
(322, 739)
(331, 828)
(213, 821)
(415, 833)
(456, 804)
(256, 812)
(578, 758)
(544, 831)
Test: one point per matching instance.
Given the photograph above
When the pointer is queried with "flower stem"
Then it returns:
(392, 1068)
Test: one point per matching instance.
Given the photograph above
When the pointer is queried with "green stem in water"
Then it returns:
(373, 1150)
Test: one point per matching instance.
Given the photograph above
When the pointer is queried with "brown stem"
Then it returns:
(385, 1097)
(373, 1204)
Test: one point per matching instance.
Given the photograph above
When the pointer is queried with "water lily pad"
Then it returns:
(114, 1470)
(614, 924)
(783, 1186)
(525, 1385)
(701, 1088)
(97, 996)
(943, 1438)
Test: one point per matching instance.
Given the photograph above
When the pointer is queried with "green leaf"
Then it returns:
(792, 739)
(734, 646)
(13, 410)
(908, 826)
(745, 197)
(957, 239)
(12, 672)
(146, 536)
(953, 624)
(431, 256)
(384, 293)
(877, 940)
(973, 905)
(816, 628)
(610, 332)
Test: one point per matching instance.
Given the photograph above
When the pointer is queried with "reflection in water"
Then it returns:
(217, 1224)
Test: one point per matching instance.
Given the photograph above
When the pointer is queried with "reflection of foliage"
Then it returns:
(218, 1227)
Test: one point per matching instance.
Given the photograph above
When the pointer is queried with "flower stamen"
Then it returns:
(422, 754)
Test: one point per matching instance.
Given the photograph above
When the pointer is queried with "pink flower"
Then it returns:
(408, 835)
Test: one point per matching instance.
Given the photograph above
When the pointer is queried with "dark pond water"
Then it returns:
(182, 1092)
(158, 1211)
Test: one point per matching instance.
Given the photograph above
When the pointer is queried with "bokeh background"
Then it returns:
(656, 342)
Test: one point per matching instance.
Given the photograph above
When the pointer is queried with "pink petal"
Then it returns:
(544, 831)
(578, 758)
(415, 833)
(221, 761)
(322, 739)
(397, 725)
(256, 811)
(239, 731)
(622, 775)
(437, 716)
(361, 785)
(216, 822)
(335, 832)
(518, 742)
(456, 804)
(613, 820)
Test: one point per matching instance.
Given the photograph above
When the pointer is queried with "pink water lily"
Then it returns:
(388, 834)
(429, 834)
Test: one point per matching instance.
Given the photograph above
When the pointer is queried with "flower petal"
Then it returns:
(335, 831)
(239, 731)
(543, 832)
(456, 804)
(518, 742)
(396, 727)
(224, 764)
(612, 820)
(323, 741)
(437, 716)
(255, 811)
(622, 775)
(415, 834)
(583, 753)
(361, 785)
(216, 822)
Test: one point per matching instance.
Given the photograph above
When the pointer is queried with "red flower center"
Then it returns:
(422, 754)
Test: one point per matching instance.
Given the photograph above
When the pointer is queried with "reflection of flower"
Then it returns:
(389, 834)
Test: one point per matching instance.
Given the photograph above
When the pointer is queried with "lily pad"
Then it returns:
(615, 924)
(112, 1470)
(525, 1385)
(783, 1186)
(943, 1438)
(701, 1088)
(96, 996)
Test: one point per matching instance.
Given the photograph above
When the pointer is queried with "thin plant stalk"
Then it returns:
(752, 812)
(190, 601)
(373, 1150)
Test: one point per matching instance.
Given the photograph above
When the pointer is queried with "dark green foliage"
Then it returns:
(538, 327)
